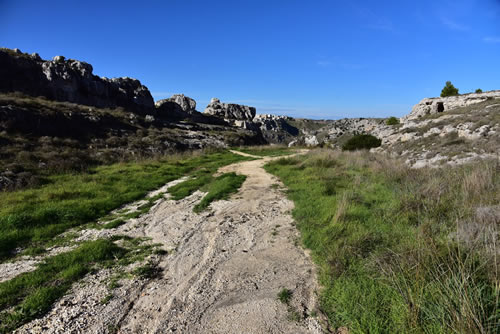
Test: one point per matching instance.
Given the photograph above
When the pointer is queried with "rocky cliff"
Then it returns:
(431, 106)
(69, 80)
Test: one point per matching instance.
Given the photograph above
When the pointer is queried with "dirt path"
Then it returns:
(223, 274)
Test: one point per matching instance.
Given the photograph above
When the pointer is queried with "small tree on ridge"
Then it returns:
(449, 90)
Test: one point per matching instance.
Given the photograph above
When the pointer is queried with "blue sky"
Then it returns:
(316, 59)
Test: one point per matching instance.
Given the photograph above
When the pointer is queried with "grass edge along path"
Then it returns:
(31, 294)
(32, 217)
(389, 241)
(267, 151)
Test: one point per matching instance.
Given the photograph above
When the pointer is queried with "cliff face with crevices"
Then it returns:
(69, 80)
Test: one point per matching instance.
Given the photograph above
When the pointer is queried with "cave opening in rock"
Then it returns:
(440, 107)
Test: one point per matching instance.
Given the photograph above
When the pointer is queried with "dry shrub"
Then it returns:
(342, 207)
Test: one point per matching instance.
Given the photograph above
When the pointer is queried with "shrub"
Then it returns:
(449, 90)
(361, 142)
(285, 296)
(479, 90)
(392, 121)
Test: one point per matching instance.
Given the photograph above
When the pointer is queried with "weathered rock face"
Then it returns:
(69, 80)
(180, 101)
(275, 128)
(230, 111)
(436, 105)
(176, 107)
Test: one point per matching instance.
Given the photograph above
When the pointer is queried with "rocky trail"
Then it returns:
(222, 274)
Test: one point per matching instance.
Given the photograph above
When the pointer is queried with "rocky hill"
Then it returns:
(438, 131)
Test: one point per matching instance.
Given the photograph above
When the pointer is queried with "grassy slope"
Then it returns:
(381, 235)
(35, 216)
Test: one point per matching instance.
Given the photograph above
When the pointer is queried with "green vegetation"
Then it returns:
(217, 187)
(399, 250)
(392, 121)
(479, 90)
(285, 295)
(114, 224)
(220, 188)
(271, 151)
(361, 142)
(31, 294)
(449, 90)
(33, 217)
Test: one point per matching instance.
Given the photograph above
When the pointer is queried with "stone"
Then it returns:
(311, 141)
(230, 111)
(186, 104)
(58, 59)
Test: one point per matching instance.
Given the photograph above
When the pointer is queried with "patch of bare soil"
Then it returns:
(223, 272)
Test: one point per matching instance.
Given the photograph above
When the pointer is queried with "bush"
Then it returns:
(361, 142)
(392, 121)
(449, 90)
(479, 90)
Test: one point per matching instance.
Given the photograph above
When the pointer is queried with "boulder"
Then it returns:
(230, 111)
(178, 101)
(70, 80)
(311, 141)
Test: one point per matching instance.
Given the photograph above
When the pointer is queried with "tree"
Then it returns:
(479, 90)
(449, 90)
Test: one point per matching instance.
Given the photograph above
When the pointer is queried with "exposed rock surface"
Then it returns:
(69, 80)
(178, 104)
(436, 105)
(230, 111)
(276, 129)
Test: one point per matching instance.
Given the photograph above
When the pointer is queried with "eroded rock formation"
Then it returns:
(230, 111)
(69, 80)
(177, 103)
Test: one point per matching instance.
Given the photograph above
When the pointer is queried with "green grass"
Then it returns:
(386, 244)
(32, 294)
(114, 224)
(216, 187)
(285, 295)
(220, 188)
(33, 217)
(267, 151)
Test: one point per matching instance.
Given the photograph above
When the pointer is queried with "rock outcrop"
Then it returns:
(276, 129)
(230, 111)
(436, 105)
(69, 80)
(177, 103)
(177, 107)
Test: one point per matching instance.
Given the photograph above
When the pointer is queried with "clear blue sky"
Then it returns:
(317, 59)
